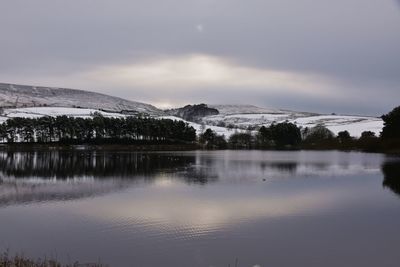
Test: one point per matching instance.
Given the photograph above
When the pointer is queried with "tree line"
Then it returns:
(64, 129)
(144, 130)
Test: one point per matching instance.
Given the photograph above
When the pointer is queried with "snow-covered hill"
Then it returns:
(243, 116)
(17, 96)
(31, 101)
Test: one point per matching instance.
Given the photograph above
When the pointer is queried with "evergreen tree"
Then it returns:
(285, 134)
(391, 122)
(367, 135)
(318, 133)
(264, 137)
(344, 136)
(212, 140)
(241, 141)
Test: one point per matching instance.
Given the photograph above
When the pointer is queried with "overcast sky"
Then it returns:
(338, 56)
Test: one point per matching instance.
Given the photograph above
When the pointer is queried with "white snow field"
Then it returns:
(38, 112)
(244, 116)
(336, 123)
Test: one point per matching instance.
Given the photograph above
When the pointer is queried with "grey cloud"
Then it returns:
(354, 41)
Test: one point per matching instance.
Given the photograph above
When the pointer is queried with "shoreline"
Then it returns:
(32, 147)
(95, 147)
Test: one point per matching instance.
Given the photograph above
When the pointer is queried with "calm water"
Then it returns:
(249, 208)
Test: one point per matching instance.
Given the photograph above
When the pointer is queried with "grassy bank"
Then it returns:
(22, 261)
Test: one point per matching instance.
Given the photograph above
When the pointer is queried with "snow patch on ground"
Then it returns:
(56, 111)
(336, 123)
(38, 112)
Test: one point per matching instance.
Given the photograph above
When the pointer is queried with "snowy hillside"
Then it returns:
(16, 96)
(243, 116)
(336, 123)
(244, 109)
(38, 112)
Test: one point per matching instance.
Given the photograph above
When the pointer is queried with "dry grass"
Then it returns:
(22, 261)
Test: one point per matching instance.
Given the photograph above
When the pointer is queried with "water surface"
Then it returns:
(219, 208)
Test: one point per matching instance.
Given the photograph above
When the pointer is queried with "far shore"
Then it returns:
(31, 147)
(93, 147)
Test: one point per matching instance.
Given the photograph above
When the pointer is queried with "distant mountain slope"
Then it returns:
(242, 109)
(251, 109)
(17, 96)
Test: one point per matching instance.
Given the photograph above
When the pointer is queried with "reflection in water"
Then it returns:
(44, 176)
(202, 208)
(64, 165)
(391, 172)
(64, 175)
(198, 167)
(289, 167)
(19, 192)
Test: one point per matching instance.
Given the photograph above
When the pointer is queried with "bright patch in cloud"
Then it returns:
(204, 71)
(200, 27)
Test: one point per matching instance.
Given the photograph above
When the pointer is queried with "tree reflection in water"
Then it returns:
(391, 180)
(27, 177)
(64, 165)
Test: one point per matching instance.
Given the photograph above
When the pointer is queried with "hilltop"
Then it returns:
(26, 96)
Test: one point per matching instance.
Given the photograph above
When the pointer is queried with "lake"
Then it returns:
(202, 208)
